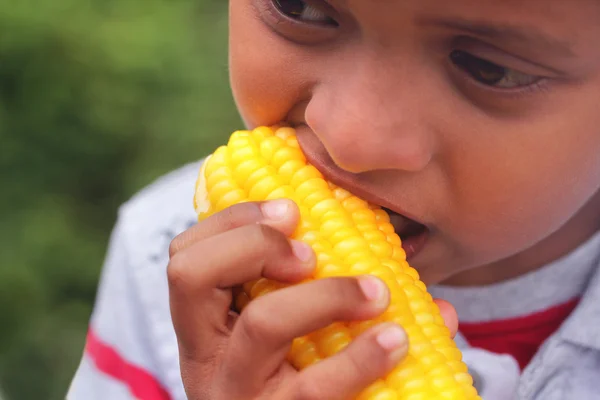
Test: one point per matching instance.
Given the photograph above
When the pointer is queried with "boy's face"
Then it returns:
(479, 119)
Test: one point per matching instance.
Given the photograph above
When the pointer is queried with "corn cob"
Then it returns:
(350, 237)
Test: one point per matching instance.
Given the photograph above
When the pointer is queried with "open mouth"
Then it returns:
(412, 234)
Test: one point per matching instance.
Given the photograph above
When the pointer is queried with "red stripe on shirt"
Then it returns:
(520, 337)
(141, 384)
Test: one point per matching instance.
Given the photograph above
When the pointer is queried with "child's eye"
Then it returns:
(491, 74)
(301, 11)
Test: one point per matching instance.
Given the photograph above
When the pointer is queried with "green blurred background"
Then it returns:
(97, 99)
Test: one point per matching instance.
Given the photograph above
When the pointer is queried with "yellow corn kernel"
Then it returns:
(350, 237)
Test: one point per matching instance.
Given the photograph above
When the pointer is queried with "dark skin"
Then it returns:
(477, 119)
(224, 355)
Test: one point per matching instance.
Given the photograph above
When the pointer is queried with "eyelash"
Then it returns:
(298, 9)
(464, 61)
(302, 12)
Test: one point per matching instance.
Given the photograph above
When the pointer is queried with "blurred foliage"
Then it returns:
(97, 99)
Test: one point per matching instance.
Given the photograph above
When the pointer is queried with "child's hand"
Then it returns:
(226, 356)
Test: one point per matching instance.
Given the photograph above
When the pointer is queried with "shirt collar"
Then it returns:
(583, 325)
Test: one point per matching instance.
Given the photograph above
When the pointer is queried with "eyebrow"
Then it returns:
(507, 32)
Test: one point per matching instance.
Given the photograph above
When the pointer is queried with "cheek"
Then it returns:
(515, 189)
(266, 75)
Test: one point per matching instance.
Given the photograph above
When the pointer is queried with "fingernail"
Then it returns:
(301, 250)
(372, 288)
(276, 209)
(392, 339)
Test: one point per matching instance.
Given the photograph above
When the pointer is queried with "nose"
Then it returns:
(369, 122)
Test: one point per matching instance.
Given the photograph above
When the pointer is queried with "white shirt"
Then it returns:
(131, 351)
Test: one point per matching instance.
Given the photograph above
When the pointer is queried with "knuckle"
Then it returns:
(347, 289)
(257, 322)
(228, 217)
(261, 232)
(344, 297)
(238, 215)
(265, 233)
(266, 240)
(178, 272)
(258, 234)
(306, 389)
(271, 238)
(362, 366)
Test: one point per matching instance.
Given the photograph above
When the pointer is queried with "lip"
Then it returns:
(322, 161)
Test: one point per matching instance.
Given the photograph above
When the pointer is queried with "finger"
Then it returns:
(199, 309)
(282, 215)
(344, 375)
(267, 326)
(239, 256)
(449, 314)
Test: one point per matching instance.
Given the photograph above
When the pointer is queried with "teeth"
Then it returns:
(398, 221)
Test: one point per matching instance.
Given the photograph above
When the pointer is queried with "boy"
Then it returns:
(475, 122)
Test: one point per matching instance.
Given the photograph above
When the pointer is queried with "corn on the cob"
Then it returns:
(350, 237)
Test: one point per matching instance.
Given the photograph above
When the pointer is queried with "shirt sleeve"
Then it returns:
(122, 359)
